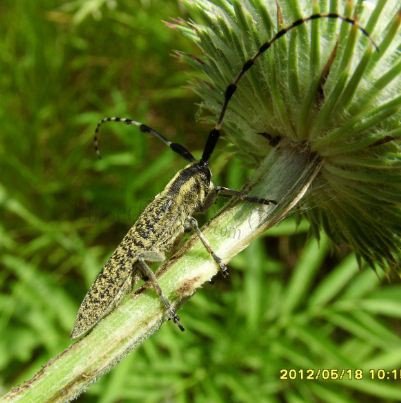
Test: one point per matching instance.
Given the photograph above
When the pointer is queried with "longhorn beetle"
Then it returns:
(171, 212)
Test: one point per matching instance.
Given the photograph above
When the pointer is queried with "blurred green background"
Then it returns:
(288, 303)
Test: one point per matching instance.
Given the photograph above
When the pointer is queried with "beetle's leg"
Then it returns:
(194, 224)
(148, 272)
(150, 256)
(226, 192)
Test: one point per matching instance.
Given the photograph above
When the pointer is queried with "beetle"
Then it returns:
(172, 211)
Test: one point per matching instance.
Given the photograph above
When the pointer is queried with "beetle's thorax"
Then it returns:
(191, 187)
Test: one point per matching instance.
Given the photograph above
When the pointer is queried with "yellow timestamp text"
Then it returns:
(332, 374)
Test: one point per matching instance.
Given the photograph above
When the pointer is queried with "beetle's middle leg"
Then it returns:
(193, 223)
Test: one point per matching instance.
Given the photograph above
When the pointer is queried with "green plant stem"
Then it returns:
(285, 176)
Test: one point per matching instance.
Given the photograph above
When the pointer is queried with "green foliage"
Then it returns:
(270, 317)
(62, 212)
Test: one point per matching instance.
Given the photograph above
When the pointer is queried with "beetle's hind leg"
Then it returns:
(150, 256)
(147, 272)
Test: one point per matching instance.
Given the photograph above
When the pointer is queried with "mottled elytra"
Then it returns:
(164, 220)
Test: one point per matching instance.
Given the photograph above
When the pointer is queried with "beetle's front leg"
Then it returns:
(227, 192)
